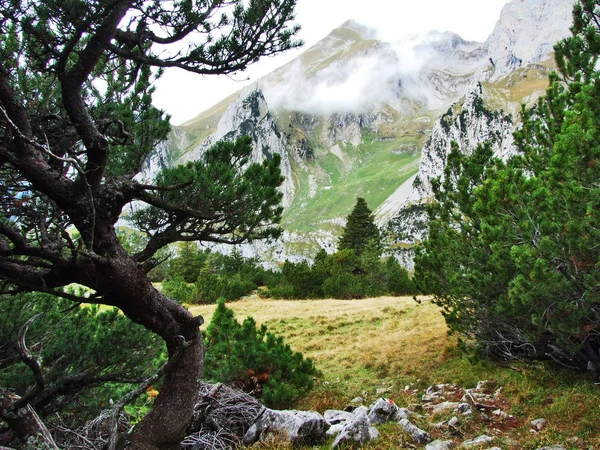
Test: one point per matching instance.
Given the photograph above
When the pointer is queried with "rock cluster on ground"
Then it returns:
(225, 418)
(445, 408)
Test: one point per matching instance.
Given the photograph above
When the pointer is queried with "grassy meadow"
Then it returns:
(389, 343)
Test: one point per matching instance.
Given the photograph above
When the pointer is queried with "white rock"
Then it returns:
(419, 436)
(527, 31)
(440, 445)
(358, 430)
(381, 411)
(383, 390)
(298, 427)
(402, 413)
(539, 424)
(444, 406)
(453, 421)
(500, 413)
(335, 429)
(334, 416)
(464, 408)
(477, 441)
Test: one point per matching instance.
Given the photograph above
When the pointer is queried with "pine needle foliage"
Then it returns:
(360, 229)
(252, 358)
(512, 255)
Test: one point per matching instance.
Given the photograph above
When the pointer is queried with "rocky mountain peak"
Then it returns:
(351, 113)
(249, 115)
(362, 30)
(446, 42)
(527, 31)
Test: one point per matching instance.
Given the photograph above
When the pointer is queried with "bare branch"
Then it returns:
(174, 187)
(27, 422)
(32, 363)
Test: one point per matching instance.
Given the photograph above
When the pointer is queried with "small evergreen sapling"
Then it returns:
(254, 359)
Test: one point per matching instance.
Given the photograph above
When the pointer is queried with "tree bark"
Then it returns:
(164, 426)
(125, 285)
(23, 421)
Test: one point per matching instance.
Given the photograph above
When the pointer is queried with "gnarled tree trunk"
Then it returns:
(126, 286)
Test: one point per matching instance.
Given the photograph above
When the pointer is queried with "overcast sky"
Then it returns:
(185, 95)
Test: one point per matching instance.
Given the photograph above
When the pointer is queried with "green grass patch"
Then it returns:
(373, 171)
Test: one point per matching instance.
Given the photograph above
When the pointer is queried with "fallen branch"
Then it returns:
(24, 421)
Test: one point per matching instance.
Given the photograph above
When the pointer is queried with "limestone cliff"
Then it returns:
(468, 123)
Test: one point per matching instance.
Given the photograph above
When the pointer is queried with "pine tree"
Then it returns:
(512, 254)
(188, 262)
(77, 124)
(255, 358)
(360, 229)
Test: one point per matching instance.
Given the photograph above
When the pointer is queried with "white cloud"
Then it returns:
(351, 86)
(389, 73)
(185, 95)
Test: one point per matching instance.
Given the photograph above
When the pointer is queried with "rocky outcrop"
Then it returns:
(164, 155)
(384, 410)
(356, 429)
(226, 418)
(527, 32)
(250, 116)
(479, 440)
(466, 124)
(440, 445)
(159, 159)
(418, 436)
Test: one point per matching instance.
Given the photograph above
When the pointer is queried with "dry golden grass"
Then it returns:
(362, 345)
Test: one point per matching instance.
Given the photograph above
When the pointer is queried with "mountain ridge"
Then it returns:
(352, 114)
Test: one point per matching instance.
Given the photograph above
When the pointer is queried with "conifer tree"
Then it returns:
(360, 229)
(512, 254)
(77, 124)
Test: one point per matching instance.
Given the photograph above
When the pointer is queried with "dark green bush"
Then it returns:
(179, 290)
(213, 276)
(254, 359)
(512, 251)
(342, 275)
(398, 281)
(87, 355)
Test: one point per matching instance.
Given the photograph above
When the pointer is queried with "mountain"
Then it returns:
(520, 49)
(354, 116)
(527, 31)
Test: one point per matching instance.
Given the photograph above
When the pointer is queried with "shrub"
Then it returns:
(179, 290)
(398, 281)
(254, 359)
(512, 251)
(87, 355)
